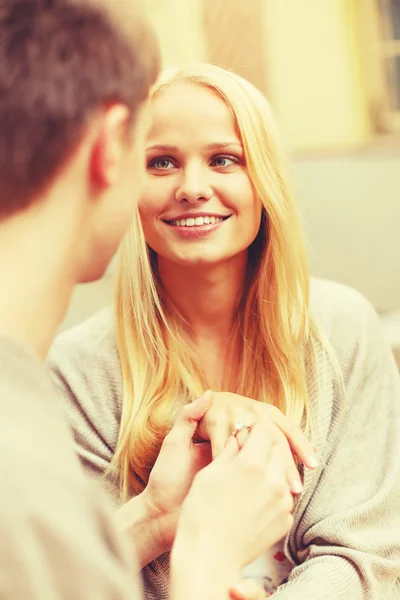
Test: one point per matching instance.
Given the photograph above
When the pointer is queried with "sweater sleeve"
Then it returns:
(86, 372)
(346, 541)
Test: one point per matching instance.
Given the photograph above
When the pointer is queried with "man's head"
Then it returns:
(74, 80)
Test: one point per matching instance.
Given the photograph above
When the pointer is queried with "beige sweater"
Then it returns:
(346, 536)
(56, 537)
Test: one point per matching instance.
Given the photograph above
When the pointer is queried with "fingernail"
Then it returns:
(296, 486)
(312, 462)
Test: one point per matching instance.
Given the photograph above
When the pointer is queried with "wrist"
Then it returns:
(140, 522)
(199, 570)
(162, 524)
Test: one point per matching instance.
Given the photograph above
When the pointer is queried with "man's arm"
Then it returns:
(56, 538)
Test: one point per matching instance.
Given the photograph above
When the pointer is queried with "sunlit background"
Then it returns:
(331, 70)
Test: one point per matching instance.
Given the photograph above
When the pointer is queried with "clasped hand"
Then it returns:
(212, 418)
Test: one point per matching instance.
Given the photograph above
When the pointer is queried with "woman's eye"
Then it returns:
(160, 163)
(223, 161)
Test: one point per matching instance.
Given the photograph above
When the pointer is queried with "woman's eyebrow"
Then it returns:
(163, 148)
(221, 145)
(213, 146)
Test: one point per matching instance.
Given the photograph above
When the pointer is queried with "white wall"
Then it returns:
(351, 209)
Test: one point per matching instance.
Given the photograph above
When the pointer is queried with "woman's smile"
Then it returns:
(195, 225)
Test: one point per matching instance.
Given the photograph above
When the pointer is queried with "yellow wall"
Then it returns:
(179, 26)
(314, 62)
(315, 72)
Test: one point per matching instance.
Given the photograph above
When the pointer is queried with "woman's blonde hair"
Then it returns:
(273, 330)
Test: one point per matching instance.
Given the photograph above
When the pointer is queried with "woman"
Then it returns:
(219, 298)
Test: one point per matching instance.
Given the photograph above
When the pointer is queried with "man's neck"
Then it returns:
(36, 276)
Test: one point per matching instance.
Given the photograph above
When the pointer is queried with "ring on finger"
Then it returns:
(239, 427)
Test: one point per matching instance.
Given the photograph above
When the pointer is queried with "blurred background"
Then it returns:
(331, 70)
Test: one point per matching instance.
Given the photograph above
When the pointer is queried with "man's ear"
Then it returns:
(109, 146)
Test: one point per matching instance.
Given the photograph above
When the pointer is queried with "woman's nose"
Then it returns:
(194, 187)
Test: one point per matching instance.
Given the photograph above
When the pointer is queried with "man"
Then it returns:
(74, 81)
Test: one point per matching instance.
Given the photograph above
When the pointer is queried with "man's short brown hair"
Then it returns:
(60, 60)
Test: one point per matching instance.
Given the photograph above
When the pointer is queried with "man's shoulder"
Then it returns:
(35, 439)
(20, 368)
(30, 416)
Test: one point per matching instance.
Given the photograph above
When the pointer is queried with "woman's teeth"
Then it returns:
(192, 222)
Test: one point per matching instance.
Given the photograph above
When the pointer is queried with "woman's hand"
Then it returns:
(229, 409)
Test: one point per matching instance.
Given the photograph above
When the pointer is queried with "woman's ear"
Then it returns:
(109, 146)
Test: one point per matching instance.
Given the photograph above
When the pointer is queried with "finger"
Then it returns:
(229, 451)
(292, 474)
(247, 589)
(242, 436)
(198, 408)
(259, 443)
(275, 472)
(188, 418)
(297, 440)
(223, 426)
(219, 436)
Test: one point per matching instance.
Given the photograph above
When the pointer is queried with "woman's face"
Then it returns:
(198, 205)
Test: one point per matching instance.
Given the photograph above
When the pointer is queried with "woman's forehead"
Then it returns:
(193, 110)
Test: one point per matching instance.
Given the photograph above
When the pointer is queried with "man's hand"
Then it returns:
(171, 478)
(238, 506)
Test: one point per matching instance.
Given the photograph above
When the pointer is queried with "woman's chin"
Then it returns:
(199, 260)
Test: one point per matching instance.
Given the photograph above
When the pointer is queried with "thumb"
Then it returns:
(186, 423)
(198, 408)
